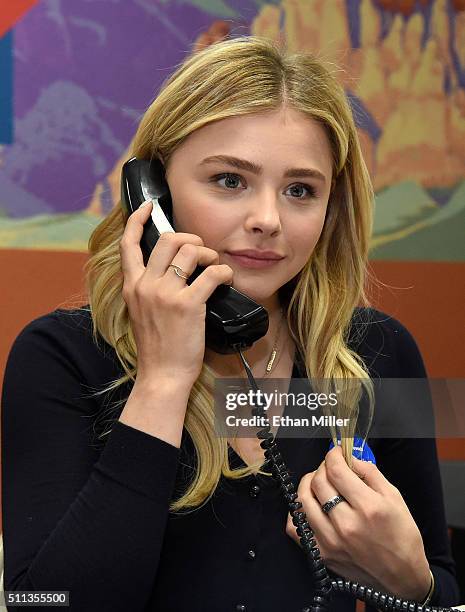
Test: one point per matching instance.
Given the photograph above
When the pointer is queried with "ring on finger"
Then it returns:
(179, 271)
(334, 501)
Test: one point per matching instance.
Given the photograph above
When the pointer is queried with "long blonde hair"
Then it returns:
(227, 79)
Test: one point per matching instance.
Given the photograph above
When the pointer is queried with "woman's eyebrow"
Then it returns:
(249, 166)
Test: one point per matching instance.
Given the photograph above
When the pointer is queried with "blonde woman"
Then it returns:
(115, 486)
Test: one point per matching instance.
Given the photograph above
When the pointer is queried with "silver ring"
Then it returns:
(334, 501)
(179, 271)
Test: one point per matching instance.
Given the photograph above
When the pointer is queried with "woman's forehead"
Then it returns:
(261, 140)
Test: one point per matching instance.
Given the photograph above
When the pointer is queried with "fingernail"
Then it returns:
(146, 203)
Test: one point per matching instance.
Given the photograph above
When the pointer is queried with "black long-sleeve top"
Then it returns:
(92, 516)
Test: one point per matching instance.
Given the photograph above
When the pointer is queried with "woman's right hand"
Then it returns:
(167, 315)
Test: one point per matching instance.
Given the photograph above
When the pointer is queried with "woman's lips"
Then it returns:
(250, 262)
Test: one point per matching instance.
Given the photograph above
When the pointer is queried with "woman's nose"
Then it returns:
(263, 215)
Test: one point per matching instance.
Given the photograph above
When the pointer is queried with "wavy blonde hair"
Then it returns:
(227, 79)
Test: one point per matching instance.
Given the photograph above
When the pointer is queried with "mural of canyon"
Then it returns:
(83, 73)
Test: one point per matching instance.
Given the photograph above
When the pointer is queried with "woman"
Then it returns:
(261, 154)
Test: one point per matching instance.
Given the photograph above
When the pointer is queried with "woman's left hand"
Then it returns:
(371, 537)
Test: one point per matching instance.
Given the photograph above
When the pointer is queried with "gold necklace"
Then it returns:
(274, 350)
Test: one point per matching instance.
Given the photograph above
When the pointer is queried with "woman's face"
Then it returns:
(273, 197)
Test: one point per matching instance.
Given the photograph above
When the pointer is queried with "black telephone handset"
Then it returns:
(233, 320)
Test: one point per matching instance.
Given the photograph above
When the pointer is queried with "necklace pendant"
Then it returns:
(271, 361)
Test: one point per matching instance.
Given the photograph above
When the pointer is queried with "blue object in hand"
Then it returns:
(361, 450)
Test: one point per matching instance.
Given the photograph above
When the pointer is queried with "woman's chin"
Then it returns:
(260, 296)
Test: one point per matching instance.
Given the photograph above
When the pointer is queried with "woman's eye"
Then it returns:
(230, 179)
(311, 192)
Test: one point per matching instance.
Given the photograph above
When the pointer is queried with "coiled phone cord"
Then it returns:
(324, 584)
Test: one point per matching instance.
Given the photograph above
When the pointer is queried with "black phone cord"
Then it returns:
(324, 583)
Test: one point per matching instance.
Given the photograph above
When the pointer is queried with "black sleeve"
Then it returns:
(411, 464)
(73, 519)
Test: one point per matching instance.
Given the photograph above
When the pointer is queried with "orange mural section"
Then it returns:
(11, 12)
(425, 296)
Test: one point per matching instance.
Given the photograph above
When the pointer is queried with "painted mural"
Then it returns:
(77, 76)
